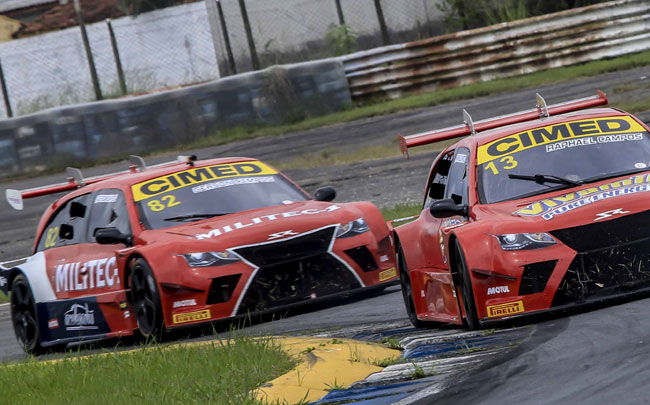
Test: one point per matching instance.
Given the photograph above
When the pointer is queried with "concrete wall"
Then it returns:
(163, 48)
(67, 135)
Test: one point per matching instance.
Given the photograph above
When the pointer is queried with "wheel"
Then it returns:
(145, 300)
(471, 318)
(407, 290)
(23, 316)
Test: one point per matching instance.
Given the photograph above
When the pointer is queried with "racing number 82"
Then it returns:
(508, 163)
(167, 201)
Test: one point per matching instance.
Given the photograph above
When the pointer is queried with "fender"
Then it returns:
(36, 274)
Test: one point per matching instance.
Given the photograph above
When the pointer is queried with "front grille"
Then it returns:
(602, 273)
(294, 270)
(362, 256)
(293, 282)
(221, 289)
(288, 250)
(605, 234)
(535, 277)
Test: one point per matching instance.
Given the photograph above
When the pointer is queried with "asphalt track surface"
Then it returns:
(595, 356)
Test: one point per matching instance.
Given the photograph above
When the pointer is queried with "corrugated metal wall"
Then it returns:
(534, 44)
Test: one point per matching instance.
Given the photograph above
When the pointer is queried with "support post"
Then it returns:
(89, 54)
(339, 12)
(5, 93)
(382, 23)
(249, 35)
(116, 55)
(226, 39)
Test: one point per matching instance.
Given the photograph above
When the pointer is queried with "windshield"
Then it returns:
(206, 192)
(561, 156)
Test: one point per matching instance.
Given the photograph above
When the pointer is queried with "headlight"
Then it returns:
(209, 259)
(352, 228)
(522, 241)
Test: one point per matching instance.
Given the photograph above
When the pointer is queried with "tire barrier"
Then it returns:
(71, 135)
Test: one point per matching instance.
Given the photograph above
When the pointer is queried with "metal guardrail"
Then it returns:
(579, 35)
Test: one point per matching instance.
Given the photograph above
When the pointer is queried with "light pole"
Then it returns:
(89, 54)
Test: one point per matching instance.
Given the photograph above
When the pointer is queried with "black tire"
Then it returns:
(407, 290)
(23, 316)
(471, 318)
(145, 300)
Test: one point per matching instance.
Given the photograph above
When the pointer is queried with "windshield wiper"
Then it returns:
(194, 216)
(546, 178)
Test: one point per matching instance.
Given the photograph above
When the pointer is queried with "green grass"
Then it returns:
(401, 210)
(218, 373)
(4, 298)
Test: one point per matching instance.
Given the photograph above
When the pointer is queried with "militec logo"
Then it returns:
(611, 213)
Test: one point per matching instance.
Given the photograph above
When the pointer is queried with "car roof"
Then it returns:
(490, 135)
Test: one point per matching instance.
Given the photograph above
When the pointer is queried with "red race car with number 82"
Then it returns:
(535, 211)
(184, 243)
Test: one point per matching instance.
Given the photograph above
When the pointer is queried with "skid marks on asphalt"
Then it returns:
(432, 359)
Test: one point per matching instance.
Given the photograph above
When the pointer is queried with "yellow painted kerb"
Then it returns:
(325, 364)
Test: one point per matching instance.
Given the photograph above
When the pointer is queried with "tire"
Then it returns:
(145, 300)
(407, 290)
(23, 316)
(471, 318)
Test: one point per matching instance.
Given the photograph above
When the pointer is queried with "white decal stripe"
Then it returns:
(36, 272)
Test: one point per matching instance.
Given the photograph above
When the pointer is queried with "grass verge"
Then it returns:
(217, 372)
(401, 210)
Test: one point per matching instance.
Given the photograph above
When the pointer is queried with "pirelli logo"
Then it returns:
(554, 133)
(192, 316)
(387, 274)
(509, 308)
(160, 185)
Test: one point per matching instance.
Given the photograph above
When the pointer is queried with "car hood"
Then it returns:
(593, 202)
(260, 225)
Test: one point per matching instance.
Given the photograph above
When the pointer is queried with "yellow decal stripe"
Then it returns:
(509, 308)
(163, 184)
(191, 316)
(554, 133)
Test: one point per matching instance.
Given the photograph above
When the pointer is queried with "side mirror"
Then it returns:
(447, 208)
(111, 236)
(327, 194)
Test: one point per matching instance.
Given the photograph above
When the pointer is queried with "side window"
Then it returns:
(67, 226)
(438, 179)
(108, 210)
(457, 180)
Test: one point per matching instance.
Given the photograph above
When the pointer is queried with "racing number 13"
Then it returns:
(508, 163)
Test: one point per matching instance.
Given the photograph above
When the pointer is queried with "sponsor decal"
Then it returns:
(452, 223)
(79, 317)
(387, 274)
(232, 182)
(282, 234)
(498, 290)
(611, 213)
(3, 281)
(93, 274)
(264, 218)
(190, 177)
(383, 258)
(191, 316)
(551, 207)
(184, 303)
(127, 314)
(123, 305)
(621, 127)
(460, 158)
(106, 198)
(505, 309)
(53, 323)
(593, 140)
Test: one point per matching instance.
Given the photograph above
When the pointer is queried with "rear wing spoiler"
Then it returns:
(470, 127)
(75, 180)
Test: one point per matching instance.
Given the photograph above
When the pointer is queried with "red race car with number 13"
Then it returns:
(184, 243)
(531, 212)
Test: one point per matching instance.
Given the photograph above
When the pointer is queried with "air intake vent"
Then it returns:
(362, 256)
(536, 276)
(221, 289)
